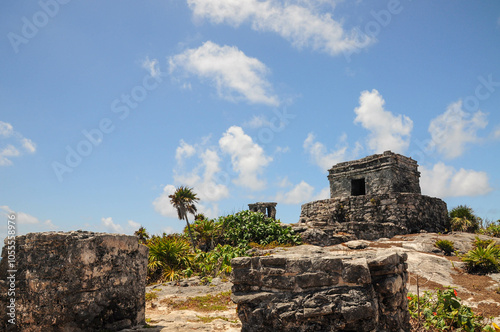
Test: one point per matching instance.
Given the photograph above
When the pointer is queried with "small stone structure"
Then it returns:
(267, 208)
(75, 281)
(374, 197)
(375, 175)
(318, 290)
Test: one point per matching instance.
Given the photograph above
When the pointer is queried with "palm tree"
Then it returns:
(183, 199)
(142, 235)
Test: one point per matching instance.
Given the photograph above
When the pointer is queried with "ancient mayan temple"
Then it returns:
(370, 198)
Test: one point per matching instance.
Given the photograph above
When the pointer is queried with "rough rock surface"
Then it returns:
(76, 281)
(308, 288)
(370, 217)
(378, 174)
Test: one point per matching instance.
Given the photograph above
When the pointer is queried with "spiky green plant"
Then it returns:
(448, 247)
(168, 257)
(483, 259)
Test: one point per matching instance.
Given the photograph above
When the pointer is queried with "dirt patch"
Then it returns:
(481, 289)
(385, 245)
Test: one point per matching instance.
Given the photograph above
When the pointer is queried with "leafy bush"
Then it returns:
(463, 219)
(214, 263)
(244, 227)
(206, 232)
(483, 259)
(446, 246)
(443, 311)
(168, 257)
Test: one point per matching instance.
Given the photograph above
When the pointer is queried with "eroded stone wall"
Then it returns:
(76, 281)
(321, 291)
(371, 217)
(381, 174)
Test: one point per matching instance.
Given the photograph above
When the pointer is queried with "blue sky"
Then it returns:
(106, 107)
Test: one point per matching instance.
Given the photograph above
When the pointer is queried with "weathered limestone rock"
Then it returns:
(312, 289)
(76, 281)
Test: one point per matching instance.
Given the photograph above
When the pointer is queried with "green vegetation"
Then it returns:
(151, 296)
(206, 248)
(483, 259)
(443, 311)
(463, 219)
(183, 200)
(493, 229)
(242, 228)
(168, 256)
(446, 246)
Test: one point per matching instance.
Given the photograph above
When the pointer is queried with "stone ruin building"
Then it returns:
(74, 281)
(371, 198)
(267, 208)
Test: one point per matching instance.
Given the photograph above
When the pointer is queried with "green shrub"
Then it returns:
(463, 219)
(446, 246)
(443, 311)
(206, 232)
(244, 227)
(493, 229)
(482, 243)
(483, 259)
(169, 255)
(214, 263)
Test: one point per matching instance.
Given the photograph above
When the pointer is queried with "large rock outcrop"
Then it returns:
(76, 281)
(312, 289)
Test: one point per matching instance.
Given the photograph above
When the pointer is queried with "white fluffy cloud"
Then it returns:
(12, 144)
(300, 22)
(162, 203)
(111, 226)
(151, 66)
(27, 222)
(387, 131)
(445, 181)
(303, 192)
(321, 156)
(6, 153)
(235, 75)
(134, 225)
(6, 129)
(323, 194)
(248, 158)
(453, 130)
(184, 150)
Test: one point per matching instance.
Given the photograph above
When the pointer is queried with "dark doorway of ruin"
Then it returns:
(358, 187)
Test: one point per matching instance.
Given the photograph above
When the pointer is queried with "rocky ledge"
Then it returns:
(309, 288)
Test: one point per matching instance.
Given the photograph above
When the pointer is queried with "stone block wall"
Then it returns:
(380, 174)
(371, 217)
(321, 292)
(76, 281)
